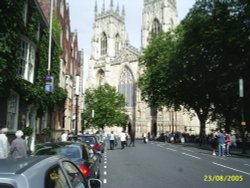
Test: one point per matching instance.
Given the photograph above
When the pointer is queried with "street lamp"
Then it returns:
(77, 82)
(243, 123)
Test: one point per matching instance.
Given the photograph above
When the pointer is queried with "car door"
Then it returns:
(74, 175)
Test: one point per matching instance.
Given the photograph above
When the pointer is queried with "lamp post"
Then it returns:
(243, 123)
(77, 82)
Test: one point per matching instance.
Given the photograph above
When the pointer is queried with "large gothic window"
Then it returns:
(117, 44)
(104, 44)
(100, 77)
(156, 28)
(127, 87)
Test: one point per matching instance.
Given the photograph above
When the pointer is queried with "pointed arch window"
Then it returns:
(156, 28)
(127, 87)
(117, 44)
(104, 44)
(100, 77)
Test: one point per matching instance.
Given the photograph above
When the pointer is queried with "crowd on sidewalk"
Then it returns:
(17, 148)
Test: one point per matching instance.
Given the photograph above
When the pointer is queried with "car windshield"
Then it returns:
(72, 152)
(89, 139)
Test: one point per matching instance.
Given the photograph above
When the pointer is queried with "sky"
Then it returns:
(82, 17)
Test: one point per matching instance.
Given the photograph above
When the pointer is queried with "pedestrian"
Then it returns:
(18, 147)
(64, 136)
(234, 143)
(112, 140)
(213, 142)
(123, 139)
(4, 144)
(144, 135)
(132, 139)
(221, 143)
(228, 143)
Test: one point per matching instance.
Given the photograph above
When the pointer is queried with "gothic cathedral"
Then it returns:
(114, 61)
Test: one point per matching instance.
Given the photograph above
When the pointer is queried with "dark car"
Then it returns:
(94, 154)
(42, 172)
(93, 140)
(76, 152)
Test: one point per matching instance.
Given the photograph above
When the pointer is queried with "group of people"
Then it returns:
(17, 148)
(123, 138)
(222, 141)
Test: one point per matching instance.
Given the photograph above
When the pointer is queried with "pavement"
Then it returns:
(233, 151)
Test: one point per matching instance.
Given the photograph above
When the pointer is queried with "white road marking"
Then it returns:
(191, 155)
(105, 162)
(105, 166)
(247, 164)
(231, 168)
(171, 149)
(187, 150)
(217, 157)
(104, 180)
(105, 172)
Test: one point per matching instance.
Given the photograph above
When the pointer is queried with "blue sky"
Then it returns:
(82, 15)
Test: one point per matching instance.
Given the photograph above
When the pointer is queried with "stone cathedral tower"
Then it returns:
(114, 61)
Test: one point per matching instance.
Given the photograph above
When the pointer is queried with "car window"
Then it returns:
(72, 152)
(89, 139)
(74, 175)
(4, 185)
(85, 153)
(55, 178)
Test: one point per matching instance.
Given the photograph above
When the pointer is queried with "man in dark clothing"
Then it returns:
(132, 139)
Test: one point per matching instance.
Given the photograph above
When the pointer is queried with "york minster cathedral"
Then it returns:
(115, 61)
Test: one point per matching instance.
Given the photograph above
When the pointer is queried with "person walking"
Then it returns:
(64, 136)
(228, 143)
(132, 139)
(112, 140)
(4, 144)
(221, 143)
(123, 139)
(18, 148)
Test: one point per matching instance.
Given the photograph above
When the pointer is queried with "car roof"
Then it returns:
(18, 166)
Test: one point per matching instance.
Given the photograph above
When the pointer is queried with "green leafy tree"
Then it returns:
(104, 107)
(198, 65)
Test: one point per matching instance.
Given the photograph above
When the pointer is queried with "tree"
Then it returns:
(104, 107)
(198, 65)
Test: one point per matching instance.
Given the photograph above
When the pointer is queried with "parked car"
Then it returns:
(43, 172)
(93, 140)
(76, 152)
(93, 153)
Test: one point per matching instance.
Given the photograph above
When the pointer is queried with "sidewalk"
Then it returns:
(233, 151)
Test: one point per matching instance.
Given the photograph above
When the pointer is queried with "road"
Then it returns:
(162, 165)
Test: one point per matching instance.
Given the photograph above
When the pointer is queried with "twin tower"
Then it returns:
(114, 61)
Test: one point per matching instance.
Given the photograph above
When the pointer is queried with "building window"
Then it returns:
(127, 87)
(117, 44)
(27, 65)
(100, 77)
(104, 44)
(12, 111)
(156, 26)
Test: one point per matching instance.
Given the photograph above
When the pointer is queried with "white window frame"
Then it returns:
(27, 57)
(12, 111)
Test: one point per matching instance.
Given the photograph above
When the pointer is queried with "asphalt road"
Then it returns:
(163, 165)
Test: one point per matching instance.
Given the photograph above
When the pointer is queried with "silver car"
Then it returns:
(43, 172)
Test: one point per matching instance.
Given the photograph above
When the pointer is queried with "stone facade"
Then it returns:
(114, 61)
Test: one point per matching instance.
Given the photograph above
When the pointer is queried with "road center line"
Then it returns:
(187, 150)
(171, 149)
(231, 168)
(247, 164)
(191, 156)
(104, 180)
